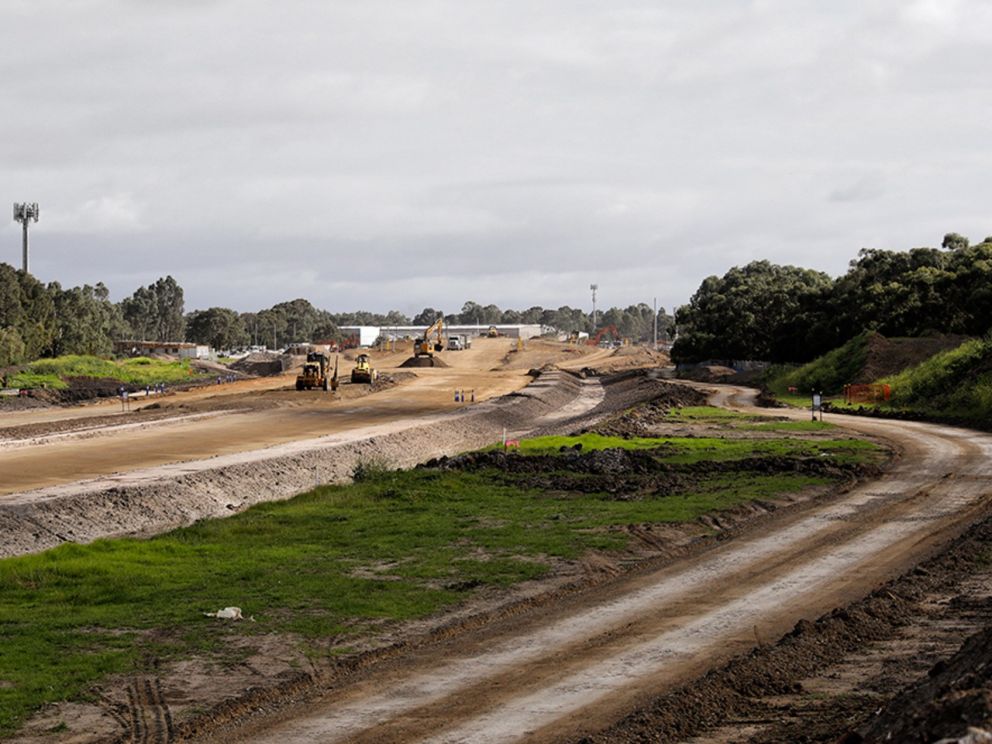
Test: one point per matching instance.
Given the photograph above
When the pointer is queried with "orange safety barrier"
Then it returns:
(867, 393)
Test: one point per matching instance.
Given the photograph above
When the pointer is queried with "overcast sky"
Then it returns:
(399, 154)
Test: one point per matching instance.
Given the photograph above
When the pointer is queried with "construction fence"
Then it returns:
(873, 393)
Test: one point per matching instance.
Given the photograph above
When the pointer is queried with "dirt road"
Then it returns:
(255, 414)
(560, 674)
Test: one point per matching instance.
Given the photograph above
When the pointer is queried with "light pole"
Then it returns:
(594, 287)
(25, 213)
(656, 324)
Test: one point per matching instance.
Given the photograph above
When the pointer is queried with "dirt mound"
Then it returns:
(956, 694)
(887, 356)
(628, 475)
(205, 365)
(638, 421)
(706, 372)
(263, 364)
(422, 361)
(22, 403)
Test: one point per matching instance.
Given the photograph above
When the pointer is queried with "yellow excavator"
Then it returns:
(432, 340)
(363, 371)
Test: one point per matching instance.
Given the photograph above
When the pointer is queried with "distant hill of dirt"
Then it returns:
(887, 356)
(866, 358)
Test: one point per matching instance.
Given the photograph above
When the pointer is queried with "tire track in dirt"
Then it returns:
(149, 720)
(565, 675)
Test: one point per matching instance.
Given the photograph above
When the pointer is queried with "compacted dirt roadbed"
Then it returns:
(80, 474)
(565, 672)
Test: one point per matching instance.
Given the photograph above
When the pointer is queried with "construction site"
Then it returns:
(810, 576)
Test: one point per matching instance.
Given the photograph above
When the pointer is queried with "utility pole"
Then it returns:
(594, 287)
(25, 213)
(656, 324)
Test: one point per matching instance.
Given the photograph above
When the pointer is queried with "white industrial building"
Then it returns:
(181, 349)
(367, 335)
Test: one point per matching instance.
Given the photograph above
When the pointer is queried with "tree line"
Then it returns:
(299, 320)
(765, 311)
(39, 320)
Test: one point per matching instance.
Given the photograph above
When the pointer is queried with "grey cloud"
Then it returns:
(391, 154)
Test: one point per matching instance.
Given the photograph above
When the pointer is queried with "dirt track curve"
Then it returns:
(563, 673)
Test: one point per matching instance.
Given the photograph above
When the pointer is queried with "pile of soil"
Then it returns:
(424, 361)
(887, 356)
(706, 372)
(627, 475)
(205, 365)
(263, 364)
(21, 403)
(956, 693)
(388, 380)
(640, 420)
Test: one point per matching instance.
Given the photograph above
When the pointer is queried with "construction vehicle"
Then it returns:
(432, 340)
(363, 371)
(315, 372)
(493, 332)
(610, 330)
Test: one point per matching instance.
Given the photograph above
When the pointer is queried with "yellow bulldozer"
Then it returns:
(363, 371)
(431, 341)
(316, 373)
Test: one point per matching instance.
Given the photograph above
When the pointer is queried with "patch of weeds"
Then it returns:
(370, 469)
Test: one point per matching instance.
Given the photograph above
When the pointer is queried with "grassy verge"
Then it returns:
(52, 373)
(681, 450)
(331, 565)
(953, 383)
(828, 373)
(740, 421)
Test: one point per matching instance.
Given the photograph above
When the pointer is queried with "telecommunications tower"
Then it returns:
(25, 213)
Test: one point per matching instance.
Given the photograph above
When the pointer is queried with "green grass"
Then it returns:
(326, 565)
(740, 421)
(680, 450)
(697, 414)
(136, 371)
(957, 382)
(827, 374)
(35, 380)
(787, 426)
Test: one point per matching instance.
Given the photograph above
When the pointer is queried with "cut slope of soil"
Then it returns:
(887, 356)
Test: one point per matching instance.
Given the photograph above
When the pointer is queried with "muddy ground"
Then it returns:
(631, 475)
(911, 662)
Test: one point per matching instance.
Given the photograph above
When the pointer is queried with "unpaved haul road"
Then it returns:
(556, 675)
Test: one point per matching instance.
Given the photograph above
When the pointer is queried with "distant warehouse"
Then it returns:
(367, 335)
(181, 349)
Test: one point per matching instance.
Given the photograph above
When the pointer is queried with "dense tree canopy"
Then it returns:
(155, 312)
(219, 327)
(759, 311)
(36, 320)
(88, 322)
(782, 313)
